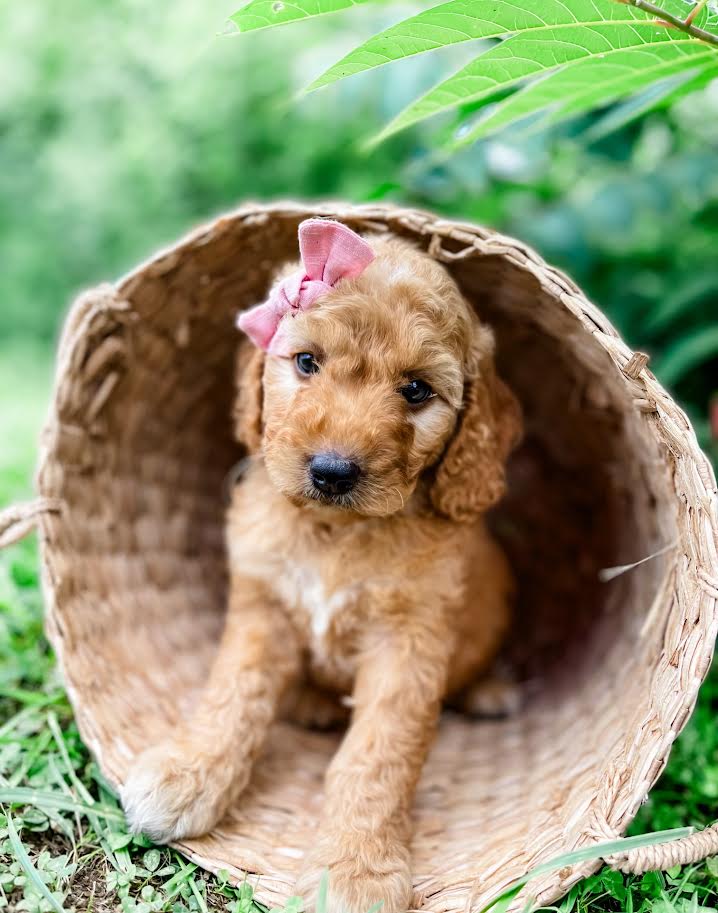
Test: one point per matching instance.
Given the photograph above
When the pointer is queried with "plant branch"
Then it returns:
(684, 25)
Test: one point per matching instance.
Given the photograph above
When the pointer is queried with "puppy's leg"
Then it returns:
(370, 783)
(183, 786)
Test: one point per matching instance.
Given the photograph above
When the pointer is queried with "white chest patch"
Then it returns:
(302, 588)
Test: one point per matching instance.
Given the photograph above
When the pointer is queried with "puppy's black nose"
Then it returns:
(333, 474)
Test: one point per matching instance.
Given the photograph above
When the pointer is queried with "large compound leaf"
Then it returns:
(467, 20)
(262, 14)
(564, 56)
(526, 56)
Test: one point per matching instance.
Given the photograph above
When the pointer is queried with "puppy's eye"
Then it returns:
(416, 392)
(306, 363)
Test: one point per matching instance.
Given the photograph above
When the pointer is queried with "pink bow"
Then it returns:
(330, 251)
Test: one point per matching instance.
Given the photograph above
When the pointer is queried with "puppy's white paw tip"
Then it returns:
(161, 799)
(143, 807)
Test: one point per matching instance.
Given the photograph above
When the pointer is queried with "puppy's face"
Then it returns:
(371, 395)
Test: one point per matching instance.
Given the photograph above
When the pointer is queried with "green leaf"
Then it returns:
(595, 81)
(529, 55)
(151, 860)
(263, 14)
(687, 353)
(179, 879)
(697, 289)
(661, 94)
(502, 903)
(467, 20)
(119, 841)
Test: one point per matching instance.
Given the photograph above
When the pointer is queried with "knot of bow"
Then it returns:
(329, 252)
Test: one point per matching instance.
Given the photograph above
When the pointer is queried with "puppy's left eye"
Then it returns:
(306, 363)
(416, 392)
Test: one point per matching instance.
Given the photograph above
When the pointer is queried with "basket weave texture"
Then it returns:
(135, 459)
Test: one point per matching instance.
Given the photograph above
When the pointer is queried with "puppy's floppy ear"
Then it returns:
(249, 402)
(471, 476)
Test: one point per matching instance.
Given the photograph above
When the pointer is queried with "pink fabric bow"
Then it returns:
(330, 251)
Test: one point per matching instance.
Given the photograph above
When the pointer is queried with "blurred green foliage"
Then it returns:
(121, 125)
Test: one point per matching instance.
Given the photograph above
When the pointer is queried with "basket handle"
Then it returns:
(683, 851)
(18, 520)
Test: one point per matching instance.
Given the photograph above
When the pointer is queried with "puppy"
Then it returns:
(362, 572)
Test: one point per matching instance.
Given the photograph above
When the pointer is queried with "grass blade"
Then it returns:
(322, 892)
(175, 883)
(586, 854)
(20, 795)
(199, 897)
(82, 791)
(21, 854)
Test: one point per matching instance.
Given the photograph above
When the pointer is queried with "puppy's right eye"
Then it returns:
(416, 392)
(306, 363)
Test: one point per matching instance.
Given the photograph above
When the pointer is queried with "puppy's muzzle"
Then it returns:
(332, 474)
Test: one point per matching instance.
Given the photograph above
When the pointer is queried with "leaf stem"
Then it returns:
(684, 25)
(694, 12)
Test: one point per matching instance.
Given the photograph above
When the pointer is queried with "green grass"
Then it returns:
(63, 841)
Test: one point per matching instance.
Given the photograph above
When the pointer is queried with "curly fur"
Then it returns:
(391, 599)
(471, 477)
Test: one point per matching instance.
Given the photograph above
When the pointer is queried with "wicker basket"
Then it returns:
(133, 476)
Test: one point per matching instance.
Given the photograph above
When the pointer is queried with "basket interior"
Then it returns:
(136, 566)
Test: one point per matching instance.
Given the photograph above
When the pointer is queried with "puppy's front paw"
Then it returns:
(360, 875)
(172, 792)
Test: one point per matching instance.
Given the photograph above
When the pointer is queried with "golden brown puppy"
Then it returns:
(362, 572)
